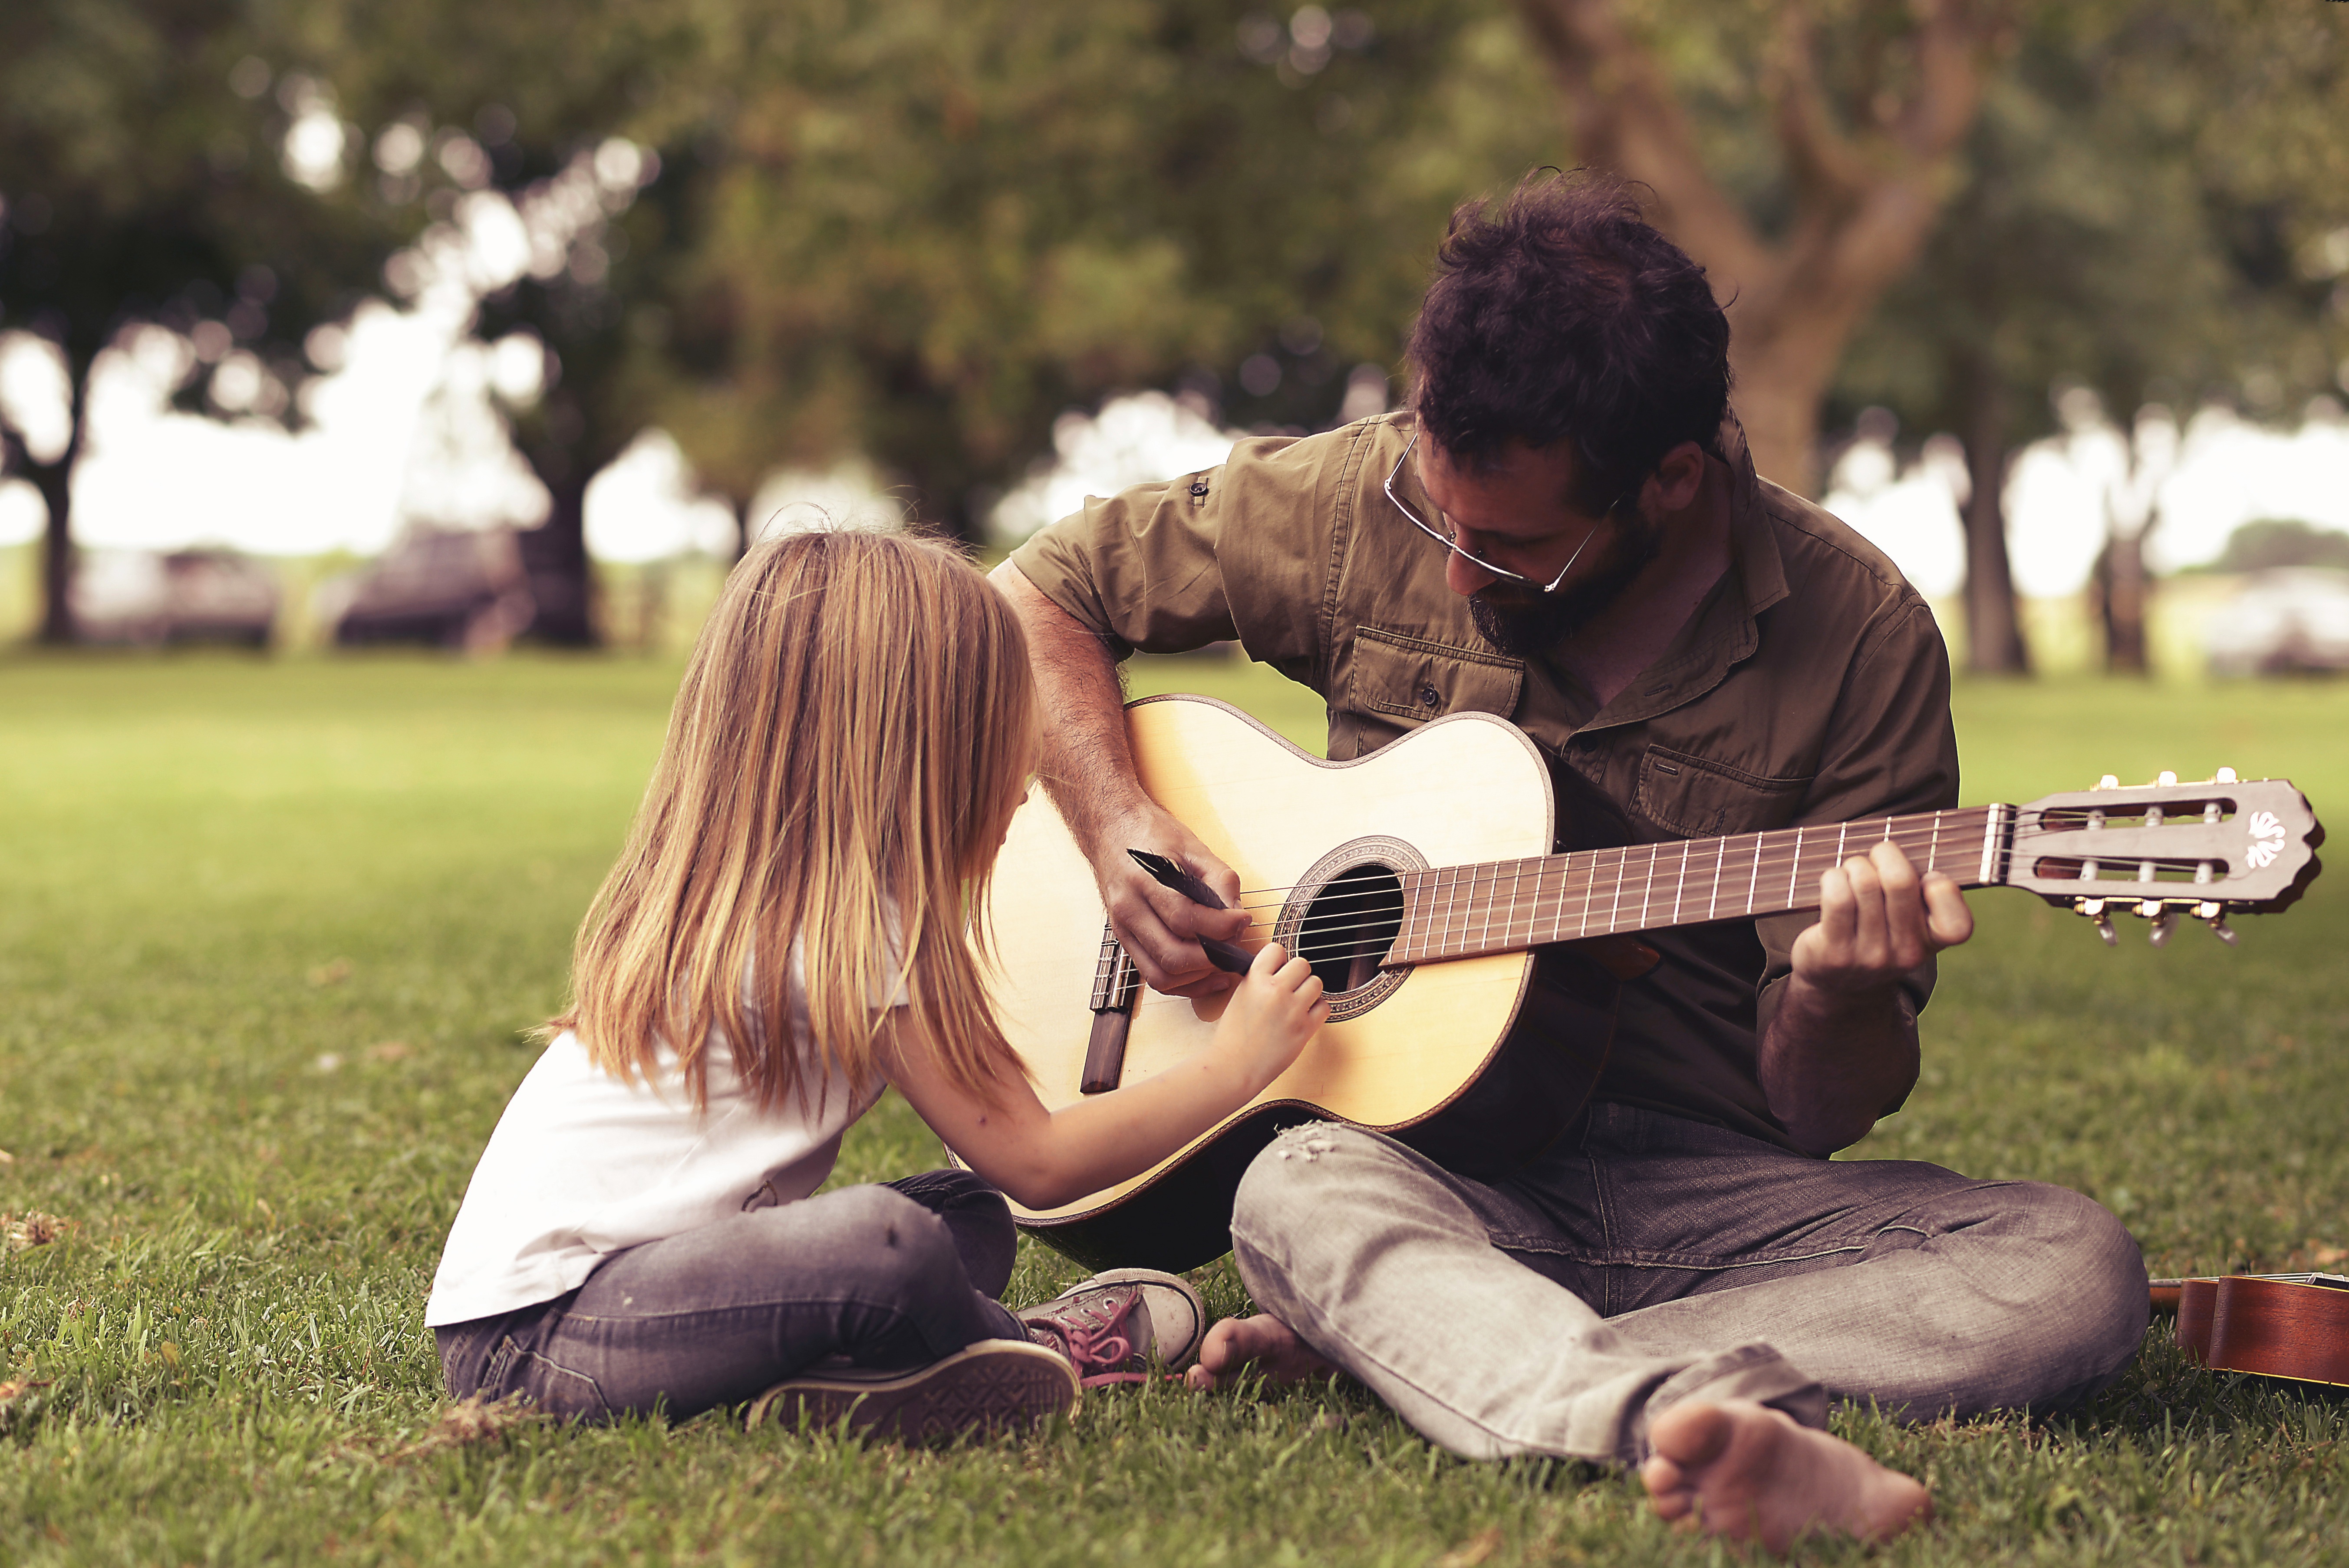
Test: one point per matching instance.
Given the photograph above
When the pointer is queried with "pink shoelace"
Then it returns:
(1095, 1342)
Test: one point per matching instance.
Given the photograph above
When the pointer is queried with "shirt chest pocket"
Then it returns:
(1697, 797)
(1409, 679)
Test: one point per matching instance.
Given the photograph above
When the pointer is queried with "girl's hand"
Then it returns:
(1278, 1007)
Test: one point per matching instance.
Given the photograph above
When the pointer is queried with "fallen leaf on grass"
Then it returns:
(6, 1158)
(31, 1229)
(1474, 1550)
(12, 1392)
(478, 1419)
(388, 1051)
(328, 1062)
(2325, 1257)
(331, 974)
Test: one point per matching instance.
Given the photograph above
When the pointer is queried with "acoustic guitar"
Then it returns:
(1420, 882)
(2289, 1325)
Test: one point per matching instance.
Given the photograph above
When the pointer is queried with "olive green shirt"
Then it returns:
(1811, 687)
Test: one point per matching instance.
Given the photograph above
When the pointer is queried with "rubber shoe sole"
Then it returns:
(996, 1385)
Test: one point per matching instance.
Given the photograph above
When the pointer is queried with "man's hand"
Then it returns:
(1158, 926)
(1877, 920)
(1843, 1045)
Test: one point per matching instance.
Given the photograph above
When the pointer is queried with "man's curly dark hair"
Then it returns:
(1563, 315)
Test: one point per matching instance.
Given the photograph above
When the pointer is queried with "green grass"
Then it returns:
(268, 931)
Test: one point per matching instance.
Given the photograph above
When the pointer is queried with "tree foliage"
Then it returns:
(934, 226)
(144, 180)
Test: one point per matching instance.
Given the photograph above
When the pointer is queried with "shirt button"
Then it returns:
(1430, 697)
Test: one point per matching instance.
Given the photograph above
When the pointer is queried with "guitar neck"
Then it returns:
(1505, 906)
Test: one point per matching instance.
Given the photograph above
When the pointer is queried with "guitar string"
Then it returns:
(1560, 906)
(1772, 862)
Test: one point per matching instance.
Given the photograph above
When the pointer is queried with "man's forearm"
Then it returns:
(1831, 1063)
(1087, 764)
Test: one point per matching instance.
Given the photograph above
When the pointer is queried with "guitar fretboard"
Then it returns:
(1505, 906)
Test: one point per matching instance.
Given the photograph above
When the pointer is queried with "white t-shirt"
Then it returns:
(583, 1164)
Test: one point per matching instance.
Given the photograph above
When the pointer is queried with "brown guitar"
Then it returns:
(1419, 881)
(2291, 1325)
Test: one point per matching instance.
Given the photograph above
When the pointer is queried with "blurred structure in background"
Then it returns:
(469, 592)
(2288, 620)
(146, 599)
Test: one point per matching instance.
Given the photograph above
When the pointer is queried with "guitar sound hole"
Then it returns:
(1349, 925)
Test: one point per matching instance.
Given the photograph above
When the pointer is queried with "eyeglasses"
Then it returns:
(1450, 541)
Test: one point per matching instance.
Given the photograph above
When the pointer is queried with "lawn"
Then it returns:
(269, 934)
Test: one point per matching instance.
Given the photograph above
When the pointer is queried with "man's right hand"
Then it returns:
(1158, 926)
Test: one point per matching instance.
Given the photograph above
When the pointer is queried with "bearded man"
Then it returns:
(1565, 529)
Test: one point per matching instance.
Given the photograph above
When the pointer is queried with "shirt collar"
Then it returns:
(1723, 632)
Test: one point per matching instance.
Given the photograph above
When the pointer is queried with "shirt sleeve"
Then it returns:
(1892, 751)
(1239, 553)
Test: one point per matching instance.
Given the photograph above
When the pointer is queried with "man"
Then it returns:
(1566, 531)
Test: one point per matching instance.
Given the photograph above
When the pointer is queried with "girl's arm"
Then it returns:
(1042, 1159)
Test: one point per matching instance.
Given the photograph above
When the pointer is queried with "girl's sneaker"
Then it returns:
(1115, 1326)
(996, 1385)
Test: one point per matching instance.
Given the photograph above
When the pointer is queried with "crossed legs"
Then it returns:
(1598, 1304)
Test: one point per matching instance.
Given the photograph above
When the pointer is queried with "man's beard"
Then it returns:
(1523, 627)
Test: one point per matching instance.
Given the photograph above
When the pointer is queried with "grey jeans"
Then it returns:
(885, 1276)
(1645, 1259)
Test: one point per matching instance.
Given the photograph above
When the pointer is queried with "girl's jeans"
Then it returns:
(885, 1276)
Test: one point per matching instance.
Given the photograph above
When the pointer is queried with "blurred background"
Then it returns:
(334, 322)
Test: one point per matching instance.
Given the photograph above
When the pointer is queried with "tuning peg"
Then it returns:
(2226, 776)
(2158, 932)
(2216, 914)
(2104, 924)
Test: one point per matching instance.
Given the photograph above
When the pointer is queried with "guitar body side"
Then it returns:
(1462, 789)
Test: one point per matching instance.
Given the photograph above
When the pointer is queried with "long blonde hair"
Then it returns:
(855, 728)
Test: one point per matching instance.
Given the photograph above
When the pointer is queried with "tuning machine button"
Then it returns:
(2158, 932)
(2093, 908)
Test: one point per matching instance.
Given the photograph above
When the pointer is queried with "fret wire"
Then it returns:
(1795, 871)
(1754, 882)
(1933, 846)
(1648, 883)
(1451, 902)
(1680, 886)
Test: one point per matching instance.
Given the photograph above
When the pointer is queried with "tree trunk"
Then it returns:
(1994, 644)
(555, 555)
(2124, 589)
(54, 481)
(1864, 201)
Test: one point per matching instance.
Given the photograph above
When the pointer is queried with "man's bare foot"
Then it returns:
(1745, 1471)
(1263, 1339)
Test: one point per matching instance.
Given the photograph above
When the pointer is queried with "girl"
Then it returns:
(789, 928)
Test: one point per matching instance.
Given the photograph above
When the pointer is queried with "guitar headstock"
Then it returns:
(2167, 849)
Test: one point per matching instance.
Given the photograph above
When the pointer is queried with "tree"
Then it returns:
(929, 228)
(147, 176)
(515, 118)
(1868, 101)
(2106, 233)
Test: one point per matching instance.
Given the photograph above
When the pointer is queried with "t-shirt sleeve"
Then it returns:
(1238, 551)
(1892, 751)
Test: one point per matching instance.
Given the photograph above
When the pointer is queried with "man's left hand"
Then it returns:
(1877, 920)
